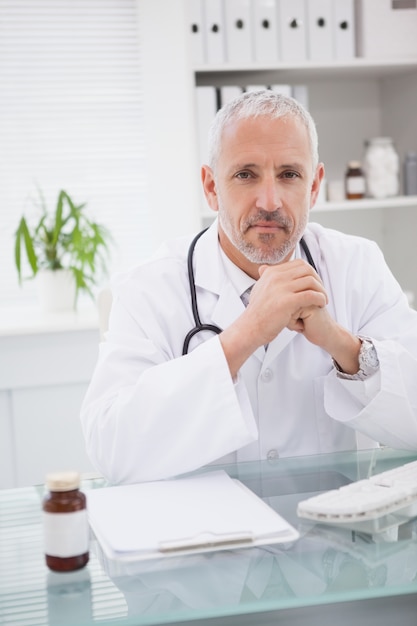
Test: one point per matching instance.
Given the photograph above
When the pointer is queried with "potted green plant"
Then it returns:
(63, 246)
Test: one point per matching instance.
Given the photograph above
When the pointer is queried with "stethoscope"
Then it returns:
(199, 326)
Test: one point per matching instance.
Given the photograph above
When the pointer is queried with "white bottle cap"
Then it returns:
(63, 481)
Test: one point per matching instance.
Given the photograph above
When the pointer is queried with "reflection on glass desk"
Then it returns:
(329, 576)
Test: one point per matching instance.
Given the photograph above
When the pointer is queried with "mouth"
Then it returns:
(268, 228)
(269, 223)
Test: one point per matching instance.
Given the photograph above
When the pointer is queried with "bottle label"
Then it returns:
(66, 534)
(355, 184)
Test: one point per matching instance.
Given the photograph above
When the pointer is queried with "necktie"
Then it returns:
(245, 296)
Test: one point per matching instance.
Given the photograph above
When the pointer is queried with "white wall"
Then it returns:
(399, 120)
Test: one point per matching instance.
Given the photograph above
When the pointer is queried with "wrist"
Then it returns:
(235, 350)
(368, 362)
(345, 355)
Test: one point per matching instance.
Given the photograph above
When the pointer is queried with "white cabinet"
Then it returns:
(45, 367)
(351, 102)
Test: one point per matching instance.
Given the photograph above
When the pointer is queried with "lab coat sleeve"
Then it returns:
(384, 407)
(146, 417)
(385, 411)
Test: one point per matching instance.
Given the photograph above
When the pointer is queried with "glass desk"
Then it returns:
(329, 576)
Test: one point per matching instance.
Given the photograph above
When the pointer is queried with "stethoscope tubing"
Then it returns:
(199, 327)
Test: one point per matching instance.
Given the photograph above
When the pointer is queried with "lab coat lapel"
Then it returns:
(278, 344)
(207, 262)
(229, 307)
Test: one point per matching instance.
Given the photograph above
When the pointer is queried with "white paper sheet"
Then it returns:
(196, 514)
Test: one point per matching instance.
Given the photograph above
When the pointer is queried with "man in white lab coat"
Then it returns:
(323, 357)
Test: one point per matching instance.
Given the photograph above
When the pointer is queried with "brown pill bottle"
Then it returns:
(355, 181)
(65, 523)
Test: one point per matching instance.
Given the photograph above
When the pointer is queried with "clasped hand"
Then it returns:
(289, 295)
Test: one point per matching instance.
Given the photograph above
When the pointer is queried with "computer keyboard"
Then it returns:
(391, 495)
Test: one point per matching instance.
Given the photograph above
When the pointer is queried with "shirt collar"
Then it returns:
(239, 279)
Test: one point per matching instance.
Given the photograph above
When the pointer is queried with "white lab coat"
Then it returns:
(151, 413)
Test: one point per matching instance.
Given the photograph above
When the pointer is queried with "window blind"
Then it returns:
(71, 117)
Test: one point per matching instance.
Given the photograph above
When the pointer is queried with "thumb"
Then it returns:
(262, 269)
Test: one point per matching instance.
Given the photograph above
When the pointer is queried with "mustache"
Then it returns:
(274, 217)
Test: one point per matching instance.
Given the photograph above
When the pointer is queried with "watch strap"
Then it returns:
(368, 361)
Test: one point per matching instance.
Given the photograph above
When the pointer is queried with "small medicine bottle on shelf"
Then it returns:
(65, 523)
(354, 181)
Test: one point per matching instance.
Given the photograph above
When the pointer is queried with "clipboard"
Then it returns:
(191, 515)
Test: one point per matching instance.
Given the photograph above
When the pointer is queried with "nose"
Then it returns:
(268, 194)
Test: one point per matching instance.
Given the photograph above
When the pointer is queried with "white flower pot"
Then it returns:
(56, 290)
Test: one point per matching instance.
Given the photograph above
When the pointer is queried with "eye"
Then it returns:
(245, 175)
(290, 175)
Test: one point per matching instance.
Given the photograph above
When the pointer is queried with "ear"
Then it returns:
(209, 187)
(315, 187)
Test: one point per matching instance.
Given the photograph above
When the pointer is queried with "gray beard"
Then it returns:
(250, 251)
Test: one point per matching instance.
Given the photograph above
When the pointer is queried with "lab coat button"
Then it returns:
(271, 455)
(267, 375)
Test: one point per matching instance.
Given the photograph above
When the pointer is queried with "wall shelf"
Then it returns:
(397, 202)
(309, 69)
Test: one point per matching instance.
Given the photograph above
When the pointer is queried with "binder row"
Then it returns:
(209, 99)
(255, 31)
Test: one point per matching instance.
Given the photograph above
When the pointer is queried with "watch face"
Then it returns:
(368, 358)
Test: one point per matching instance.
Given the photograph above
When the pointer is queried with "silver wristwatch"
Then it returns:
(368, 361)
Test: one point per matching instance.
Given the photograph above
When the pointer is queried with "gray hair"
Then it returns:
(256, 103)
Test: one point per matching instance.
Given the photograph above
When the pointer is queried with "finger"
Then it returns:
(296, 324)
(307, 302)
(291, 269)
(307, 285)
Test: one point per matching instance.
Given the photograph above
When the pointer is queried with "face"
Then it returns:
(263, 189)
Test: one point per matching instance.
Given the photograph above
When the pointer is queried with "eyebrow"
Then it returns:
(242, 166)
(292, 166)
(285, 166)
